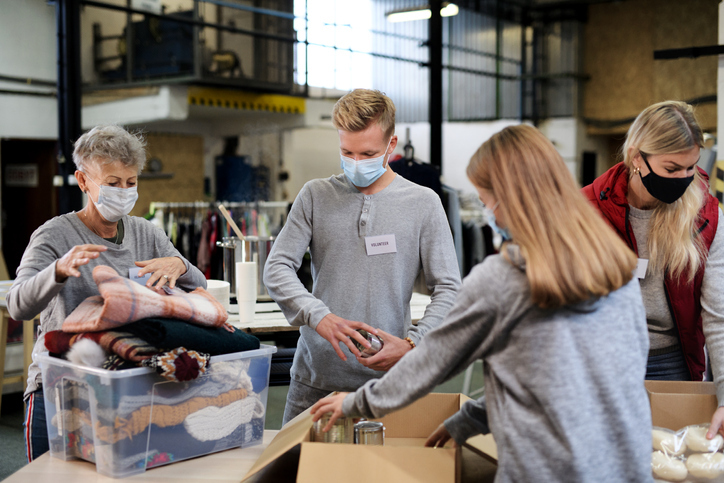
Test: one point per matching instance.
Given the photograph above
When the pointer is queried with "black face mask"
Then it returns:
(664, 189)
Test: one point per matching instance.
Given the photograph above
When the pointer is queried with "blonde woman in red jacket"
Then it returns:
(658, 201)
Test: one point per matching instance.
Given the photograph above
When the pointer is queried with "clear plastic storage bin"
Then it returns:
(130, 420)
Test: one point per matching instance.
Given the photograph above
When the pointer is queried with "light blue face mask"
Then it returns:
(490, 216)
(364, 172)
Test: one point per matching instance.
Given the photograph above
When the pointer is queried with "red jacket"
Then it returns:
(608, 194)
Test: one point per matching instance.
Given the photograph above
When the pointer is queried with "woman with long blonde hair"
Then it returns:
(557, 319)
(658, 201)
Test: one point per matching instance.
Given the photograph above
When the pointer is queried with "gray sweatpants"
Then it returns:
(299, 398)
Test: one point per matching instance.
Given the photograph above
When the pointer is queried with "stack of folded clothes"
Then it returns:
(154, 421)
(176, 332)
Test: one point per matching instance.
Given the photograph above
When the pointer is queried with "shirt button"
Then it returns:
(364, 211)
(367, 197)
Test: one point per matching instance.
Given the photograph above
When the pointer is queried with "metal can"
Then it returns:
(369, 432)
(342, 431)
(376, 344)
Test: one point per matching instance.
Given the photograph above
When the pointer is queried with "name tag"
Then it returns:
(377, 245)
(641, 266)
(133, 275)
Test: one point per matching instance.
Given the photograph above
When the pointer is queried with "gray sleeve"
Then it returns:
(471, 420)
(193, 277)
(34, 286)
(712, 305)
(440, 267)
(280, 273)
(445, 352)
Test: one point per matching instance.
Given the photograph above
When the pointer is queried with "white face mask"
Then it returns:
(113, 203)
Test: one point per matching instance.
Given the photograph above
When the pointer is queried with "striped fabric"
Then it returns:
(122, 301)
(127, 346)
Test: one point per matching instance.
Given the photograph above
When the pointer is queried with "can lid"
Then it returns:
(369, 426)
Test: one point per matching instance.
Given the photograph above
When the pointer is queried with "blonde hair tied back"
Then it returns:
(571, 254)
(673, 242)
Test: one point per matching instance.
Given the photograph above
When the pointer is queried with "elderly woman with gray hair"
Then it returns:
(54, 275)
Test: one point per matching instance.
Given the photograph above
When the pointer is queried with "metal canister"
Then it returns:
(342, 431)
(376, 344)
(369, 432)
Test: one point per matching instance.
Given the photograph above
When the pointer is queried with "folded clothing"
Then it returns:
(170, 333)
(124, 344)
(122, 301)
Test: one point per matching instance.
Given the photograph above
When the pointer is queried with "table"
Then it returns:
(226, 466)
(268, 316)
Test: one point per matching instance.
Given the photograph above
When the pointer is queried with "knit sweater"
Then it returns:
(35, 290)
(565, 397)
(332, 218)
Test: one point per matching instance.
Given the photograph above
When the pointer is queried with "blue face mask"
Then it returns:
(490, 216)
(364, 172)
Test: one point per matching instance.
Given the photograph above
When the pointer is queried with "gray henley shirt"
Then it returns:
(332, 218)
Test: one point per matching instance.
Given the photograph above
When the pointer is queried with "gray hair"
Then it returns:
(107, 144)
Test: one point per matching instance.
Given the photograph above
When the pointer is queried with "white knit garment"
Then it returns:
(213, 423)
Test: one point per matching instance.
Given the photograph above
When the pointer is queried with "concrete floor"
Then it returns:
(12, 450)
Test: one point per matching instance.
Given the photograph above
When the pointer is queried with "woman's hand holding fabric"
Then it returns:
(68, 265)
(163, 270)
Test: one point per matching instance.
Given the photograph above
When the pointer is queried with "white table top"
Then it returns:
(226, 466)
(269, 318)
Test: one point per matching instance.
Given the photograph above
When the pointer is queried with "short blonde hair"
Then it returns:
(109, 143)
(357, 110)
(570, 253)
(670, 127)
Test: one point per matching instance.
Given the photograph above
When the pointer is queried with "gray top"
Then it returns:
(712, 307)
(35, 290)
(565, 397)
(662, 332)
(332, 218)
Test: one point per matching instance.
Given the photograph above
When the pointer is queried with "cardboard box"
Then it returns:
(676, 404)
(129, 420)
(403, 458)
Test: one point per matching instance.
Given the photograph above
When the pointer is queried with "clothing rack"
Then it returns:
(194, 227)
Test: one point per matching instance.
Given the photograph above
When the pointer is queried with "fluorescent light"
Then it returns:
(421, 13)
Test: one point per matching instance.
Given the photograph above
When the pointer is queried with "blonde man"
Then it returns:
(370, 232)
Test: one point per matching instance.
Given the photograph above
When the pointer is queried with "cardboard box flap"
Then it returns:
(677, 404)
(421, 418)
(295, 431)
(331, 463)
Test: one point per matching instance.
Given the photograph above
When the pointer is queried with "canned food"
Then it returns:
(376, 344)
(342, 431)
(369, 432)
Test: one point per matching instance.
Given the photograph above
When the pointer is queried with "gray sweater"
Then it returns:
(35, 290)
(565, 397)
(332, 218)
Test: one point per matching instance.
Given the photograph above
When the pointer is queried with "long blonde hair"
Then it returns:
(571, 254)
(666, 128)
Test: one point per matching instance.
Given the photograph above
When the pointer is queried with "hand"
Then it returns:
(329, 404)
(392, 351)
(439, 437)
(77, 256)
(716, 423)
(162, 270)
(336, 329)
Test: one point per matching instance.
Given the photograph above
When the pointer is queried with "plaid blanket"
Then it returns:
(122, 301)
(125, 345)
